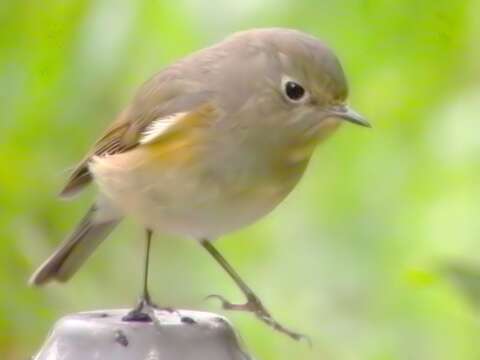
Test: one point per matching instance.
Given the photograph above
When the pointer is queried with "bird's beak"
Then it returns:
(345, 113)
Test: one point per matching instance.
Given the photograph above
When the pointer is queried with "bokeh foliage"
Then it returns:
(375, 254)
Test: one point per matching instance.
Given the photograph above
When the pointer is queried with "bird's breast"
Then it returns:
(198, 191)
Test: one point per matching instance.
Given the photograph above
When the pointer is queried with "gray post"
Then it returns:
(182, 334)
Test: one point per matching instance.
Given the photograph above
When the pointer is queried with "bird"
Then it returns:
(209, 145)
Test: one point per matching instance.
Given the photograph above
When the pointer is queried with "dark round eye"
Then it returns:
(294, 91)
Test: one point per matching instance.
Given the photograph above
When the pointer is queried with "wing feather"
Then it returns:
(159, 127)
(152, 112)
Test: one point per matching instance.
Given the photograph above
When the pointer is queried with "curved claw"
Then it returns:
(215, 296)
(227, 305)
(255, 306)
(268, 320)
(307, 339)
(302, 337)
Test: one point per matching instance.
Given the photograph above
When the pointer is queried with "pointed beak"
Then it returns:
(345, 113)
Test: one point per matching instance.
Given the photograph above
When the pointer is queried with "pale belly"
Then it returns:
(191, 201)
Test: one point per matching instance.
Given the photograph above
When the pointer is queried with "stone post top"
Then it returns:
(172, 335)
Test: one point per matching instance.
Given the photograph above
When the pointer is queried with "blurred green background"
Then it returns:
(375, 254)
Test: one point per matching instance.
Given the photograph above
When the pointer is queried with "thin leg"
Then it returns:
(146, 294)
(139, 312)
(253, 303)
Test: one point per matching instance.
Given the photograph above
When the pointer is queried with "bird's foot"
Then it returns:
(144, 310)
(137, 315)
(141, 312)
(255, 306)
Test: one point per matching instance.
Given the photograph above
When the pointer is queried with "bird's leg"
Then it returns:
(146, 299)
(253, 303)
(140, 312)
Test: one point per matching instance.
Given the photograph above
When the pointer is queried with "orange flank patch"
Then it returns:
(179, 144)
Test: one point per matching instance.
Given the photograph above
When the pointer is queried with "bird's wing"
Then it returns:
(163, 105)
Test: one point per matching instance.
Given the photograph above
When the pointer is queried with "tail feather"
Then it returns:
(73, 252)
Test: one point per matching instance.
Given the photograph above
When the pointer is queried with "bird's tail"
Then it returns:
(72, 253)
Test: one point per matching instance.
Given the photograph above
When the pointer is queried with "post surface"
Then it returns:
(103, 335)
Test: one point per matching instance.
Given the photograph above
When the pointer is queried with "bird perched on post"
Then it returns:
(209, 145)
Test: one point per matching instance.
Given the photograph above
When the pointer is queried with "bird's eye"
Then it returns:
(294, 91)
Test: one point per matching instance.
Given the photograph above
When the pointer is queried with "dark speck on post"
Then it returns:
(120, 338)
(188, 320)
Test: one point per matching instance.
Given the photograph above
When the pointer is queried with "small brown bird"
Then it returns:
(209, 145)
